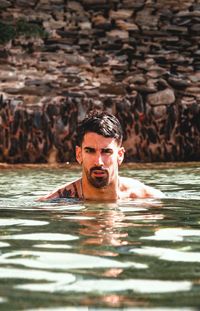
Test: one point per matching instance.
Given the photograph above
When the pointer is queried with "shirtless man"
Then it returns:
(100, 153)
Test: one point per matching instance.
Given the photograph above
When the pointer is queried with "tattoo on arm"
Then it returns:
(76, 191)
(64, 193)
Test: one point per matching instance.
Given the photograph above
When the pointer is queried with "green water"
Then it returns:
(70, 255)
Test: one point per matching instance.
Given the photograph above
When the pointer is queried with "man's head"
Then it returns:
(99, 149)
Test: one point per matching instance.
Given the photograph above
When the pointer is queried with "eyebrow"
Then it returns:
(89, 148)
(93, 149)
(107, 149)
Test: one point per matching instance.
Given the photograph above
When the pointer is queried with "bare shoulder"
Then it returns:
(134, 188)
(69, 190)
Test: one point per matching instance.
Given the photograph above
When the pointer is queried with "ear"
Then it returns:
(79, 155)
(121, 152)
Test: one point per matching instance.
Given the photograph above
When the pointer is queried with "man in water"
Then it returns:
(100, 153)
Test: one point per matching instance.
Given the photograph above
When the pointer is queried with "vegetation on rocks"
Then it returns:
(10, 31)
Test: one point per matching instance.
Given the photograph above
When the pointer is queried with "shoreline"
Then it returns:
(73, 165)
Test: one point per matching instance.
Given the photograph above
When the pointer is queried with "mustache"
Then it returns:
(98, 168)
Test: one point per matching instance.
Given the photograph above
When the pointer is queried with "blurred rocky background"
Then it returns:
(139, 59)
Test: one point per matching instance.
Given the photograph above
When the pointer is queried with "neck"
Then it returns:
(108, 193)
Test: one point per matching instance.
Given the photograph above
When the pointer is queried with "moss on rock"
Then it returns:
(10, 31)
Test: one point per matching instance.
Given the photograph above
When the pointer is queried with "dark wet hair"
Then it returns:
(102, 123)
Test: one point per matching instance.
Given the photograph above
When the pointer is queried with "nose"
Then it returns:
(98, 160)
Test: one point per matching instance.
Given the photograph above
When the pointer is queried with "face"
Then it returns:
(100, 158)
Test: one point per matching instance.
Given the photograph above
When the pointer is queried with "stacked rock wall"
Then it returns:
(139, 59)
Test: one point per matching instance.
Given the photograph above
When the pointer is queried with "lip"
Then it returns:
(99, 173)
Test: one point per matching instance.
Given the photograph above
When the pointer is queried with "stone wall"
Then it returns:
(139, 59)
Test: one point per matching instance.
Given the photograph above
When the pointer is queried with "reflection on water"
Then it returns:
(72, 255)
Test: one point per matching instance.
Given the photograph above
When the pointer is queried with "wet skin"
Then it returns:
(100, 158)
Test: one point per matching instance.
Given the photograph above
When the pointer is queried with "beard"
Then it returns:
(98, 177)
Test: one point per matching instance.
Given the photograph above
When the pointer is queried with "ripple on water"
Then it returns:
(173, 234)
(3, 300)
(58, 260)
(42, 237)
(31, 274)
(116, 309)
(22, 222)
(53, 246)
(4, 244)
(48, 264)
(168, 254)
(104, 286)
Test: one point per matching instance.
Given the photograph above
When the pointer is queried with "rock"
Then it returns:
(195, 28)
(85, 26)
(165, 97)
(94, 2)
(155, 71)
(178, 82)
(118, 34)
(152, 135)
(117, 89)
(136, 78)
(136, 4)
(52, 24)
(146, 19)
(194, 77)
(3, 54)
(159, 111)
(193, 89)
(138, 59)
(126, 26)
(144, 89)
(175, 29)
(120, 14)
(5, 4)
(174, 6)
(75, 6)
(101, 22)
(186, 13)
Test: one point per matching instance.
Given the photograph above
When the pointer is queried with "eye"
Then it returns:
(89, 150)
(107, 151)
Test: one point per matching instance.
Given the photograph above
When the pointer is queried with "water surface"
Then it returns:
(72, 255)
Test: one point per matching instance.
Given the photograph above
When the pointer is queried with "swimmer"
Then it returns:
(100, 152)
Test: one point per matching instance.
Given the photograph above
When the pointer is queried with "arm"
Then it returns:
(151, 192)
(49, 196)
(67, 191)
(53, 195)
(136, 189)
